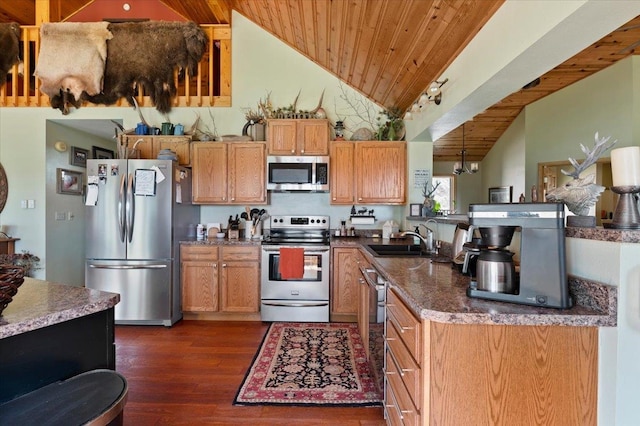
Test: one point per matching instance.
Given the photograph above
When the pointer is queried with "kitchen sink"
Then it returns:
(396, 250)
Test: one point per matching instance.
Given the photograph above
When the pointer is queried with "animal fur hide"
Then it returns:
(72, 57)
(146, 54)
(9, 48)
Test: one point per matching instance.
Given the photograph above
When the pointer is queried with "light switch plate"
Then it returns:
(31, 204)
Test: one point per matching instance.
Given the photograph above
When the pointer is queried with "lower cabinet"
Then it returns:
(345, 282)
(220, 279)
(453, 374)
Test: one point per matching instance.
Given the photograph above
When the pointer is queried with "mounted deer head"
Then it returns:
(582, 193)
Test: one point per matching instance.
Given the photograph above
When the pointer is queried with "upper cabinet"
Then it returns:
(229, 173)
(298, 137)
(149, 146)
(369, 172)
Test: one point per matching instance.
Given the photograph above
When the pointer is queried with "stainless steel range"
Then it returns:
(303, 297)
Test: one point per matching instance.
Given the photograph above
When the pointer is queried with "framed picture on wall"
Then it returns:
(79, 156)
(69, 182)
(500, 194)
(415, 210)
(100, 153)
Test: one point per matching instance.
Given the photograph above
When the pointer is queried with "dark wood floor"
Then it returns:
(189, 375)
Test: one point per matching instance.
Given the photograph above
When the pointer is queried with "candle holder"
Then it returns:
(626, 215)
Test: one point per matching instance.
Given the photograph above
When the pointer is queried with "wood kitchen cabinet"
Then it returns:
(150, 146)
(220, 280)
(229, 173)
(298, 137)
(199, 278)
(368, 172)
(445, 373)
(345, 283)
(240, 279)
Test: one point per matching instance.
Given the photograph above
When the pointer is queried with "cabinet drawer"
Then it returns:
(408, 326)
(198, 252)
(401, 366)
(398, 405)
(240, 253)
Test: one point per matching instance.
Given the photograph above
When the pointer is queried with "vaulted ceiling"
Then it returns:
(389, 50)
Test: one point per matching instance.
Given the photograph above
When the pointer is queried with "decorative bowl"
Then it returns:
(220, 235)
(11, 277)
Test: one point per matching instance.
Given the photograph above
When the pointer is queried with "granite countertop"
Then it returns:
(437, 292)
(39, 304)
(222, 241)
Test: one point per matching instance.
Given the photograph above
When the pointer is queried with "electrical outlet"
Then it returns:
(61, 216)
(70, 216)
(23, 204)
(31, 204)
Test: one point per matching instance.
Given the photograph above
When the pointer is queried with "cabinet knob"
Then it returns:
(224, 265)
(293, 151)
(302, 151)
(359, 198)
(334, 198)
(233, 199)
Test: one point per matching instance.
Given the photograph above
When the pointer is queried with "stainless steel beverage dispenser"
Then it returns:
(542, 279)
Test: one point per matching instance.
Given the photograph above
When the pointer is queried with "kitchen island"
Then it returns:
(52, 332)
(451, 359)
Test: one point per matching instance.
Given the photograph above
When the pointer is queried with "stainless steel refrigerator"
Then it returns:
(137, 212)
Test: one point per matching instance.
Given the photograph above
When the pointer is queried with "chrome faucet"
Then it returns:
(428, 242)
(415, 234)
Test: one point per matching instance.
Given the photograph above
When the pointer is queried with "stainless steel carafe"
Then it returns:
(495, 271)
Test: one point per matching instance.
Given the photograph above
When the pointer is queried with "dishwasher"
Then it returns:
(377, 290)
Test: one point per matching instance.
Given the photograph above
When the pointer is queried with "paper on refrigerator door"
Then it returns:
(159, 175)
(92, 194)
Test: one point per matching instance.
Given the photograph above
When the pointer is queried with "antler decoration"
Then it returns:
(582, 193)
(599, 147)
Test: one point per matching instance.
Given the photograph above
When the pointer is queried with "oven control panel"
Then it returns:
(300, 222)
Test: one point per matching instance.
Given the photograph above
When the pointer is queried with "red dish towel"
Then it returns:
(291, 263)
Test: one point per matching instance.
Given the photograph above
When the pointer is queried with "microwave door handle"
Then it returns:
(121, 207)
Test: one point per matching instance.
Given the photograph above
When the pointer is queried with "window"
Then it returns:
(445, 194)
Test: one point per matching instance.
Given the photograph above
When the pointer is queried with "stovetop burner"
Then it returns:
(298, 230)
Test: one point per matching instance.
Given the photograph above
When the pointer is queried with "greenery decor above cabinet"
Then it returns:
(149, 146)
(368, 172)
(229, 173)
(298, 137)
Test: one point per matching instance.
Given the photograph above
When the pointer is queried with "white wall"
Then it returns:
(65, 239)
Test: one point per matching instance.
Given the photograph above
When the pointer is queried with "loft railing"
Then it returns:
(210, 86)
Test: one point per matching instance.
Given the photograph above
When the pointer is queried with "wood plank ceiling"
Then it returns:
(389, 50)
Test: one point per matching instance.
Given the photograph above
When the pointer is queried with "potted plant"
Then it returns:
(27, 261)
(391, 126)
(429, 206)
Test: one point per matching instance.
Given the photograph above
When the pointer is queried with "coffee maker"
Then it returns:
(542, 277)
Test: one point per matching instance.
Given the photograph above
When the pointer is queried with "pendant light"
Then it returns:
(461, 167)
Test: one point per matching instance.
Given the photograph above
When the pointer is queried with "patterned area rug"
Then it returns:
(310, 364)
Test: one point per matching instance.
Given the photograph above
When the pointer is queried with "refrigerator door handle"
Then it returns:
(130, 207)
(121, 207)
(127, 266)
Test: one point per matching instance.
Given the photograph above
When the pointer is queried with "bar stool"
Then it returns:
(94, 398)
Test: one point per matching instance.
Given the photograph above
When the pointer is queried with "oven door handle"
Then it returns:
(296, 304)
(306, 251)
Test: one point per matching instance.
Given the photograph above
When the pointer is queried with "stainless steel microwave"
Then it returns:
(298, 173)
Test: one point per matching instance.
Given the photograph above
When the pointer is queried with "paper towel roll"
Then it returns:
(625, 166)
